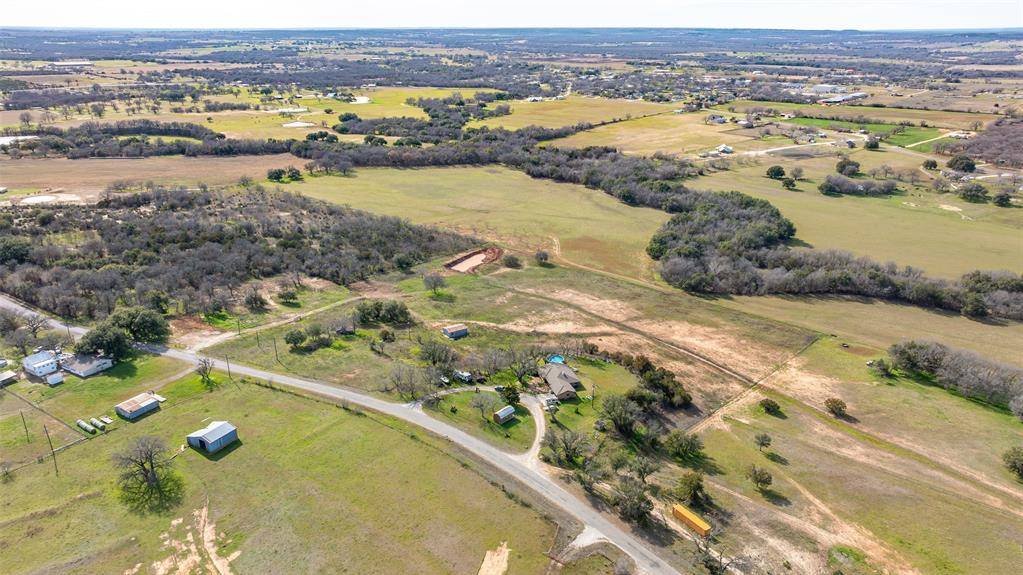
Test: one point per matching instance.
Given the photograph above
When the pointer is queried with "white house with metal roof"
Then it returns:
(41, 363)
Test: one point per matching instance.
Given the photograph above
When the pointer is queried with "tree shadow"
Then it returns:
(776, 458)
(703, 463)
(443, 297)
(143, 499)
(852, 419)
(775, 498)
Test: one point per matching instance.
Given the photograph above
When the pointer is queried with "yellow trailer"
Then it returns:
(691, 519)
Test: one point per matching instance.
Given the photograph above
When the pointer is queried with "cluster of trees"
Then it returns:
(963, 372)
(195, 249)
(391, 312)
(838, 185)
(214, 106)
(518, 78)
(447, 117)
(1001, 144)
(656, 380)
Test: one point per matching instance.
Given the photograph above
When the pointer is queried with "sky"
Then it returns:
(792, 14)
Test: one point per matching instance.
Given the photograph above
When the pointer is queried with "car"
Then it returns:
(499, 388)
(444, 379)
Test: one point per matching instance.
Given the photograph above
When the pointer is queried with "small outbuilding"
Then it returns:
(504, 414)
(55, 378)
(7, 377)
(456, 331)
(41, 363)
(84, 365)
(560, 379)
(137, 406)
(214, 437)
(691, 519)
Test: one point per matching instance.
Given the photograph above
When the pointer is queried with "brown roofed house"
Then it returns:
(561, 379)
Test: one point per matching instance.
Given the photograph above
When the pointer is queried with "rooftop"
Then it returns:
(214, 431)
(139, 401)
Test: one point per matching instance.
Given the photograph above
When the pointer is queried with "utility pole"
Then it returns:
(238, 323)
(228, 360)
(53, 453)
(276, 357)
(25, 425)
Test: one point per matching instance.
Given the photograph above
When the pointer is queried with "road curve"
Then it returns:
(646, 560)
(518, 467)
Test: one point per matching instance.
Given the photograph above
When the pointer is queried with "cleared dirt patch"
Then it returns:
(467, 263)
(495, 562)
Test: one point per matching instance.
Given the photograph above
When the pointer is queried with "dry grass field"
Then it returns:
(680, 134)
(88, 177)
(570, 111)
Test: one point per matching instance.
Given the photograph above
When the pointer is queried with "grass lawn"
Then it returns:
(309, 484)
(880, 324)
(504, 205)
(601, 379)
(514, 435)
(571, 111)
(348, 361)
(940, 234)
(907, 137)
(669, 133)
(78, 398)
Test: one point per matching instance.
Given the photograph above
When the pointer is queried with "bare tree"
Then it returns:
(146, 478)
(484, 403)
(20, 339)
(406, 380)
(204, 368)
(34, 323)
(433, 282)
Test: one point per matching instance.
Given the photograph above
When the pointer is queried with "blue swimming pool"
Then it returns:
(555, 359)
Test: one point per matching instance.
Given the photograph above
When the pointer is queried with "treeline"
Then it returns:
(196, 249)
(101, 140)
(213, 106)
(53, 98)
(963, 372)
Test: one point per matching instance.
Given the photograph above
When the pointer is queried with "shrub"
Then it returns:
(770, 406)
(847, 167)
(1013, 459)
(835, 406)
(930, 164)
(973, 192)
(511, 261)
(788, 183)
(776, 172)
(542, 257)
(962, 163)
(759, 476)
